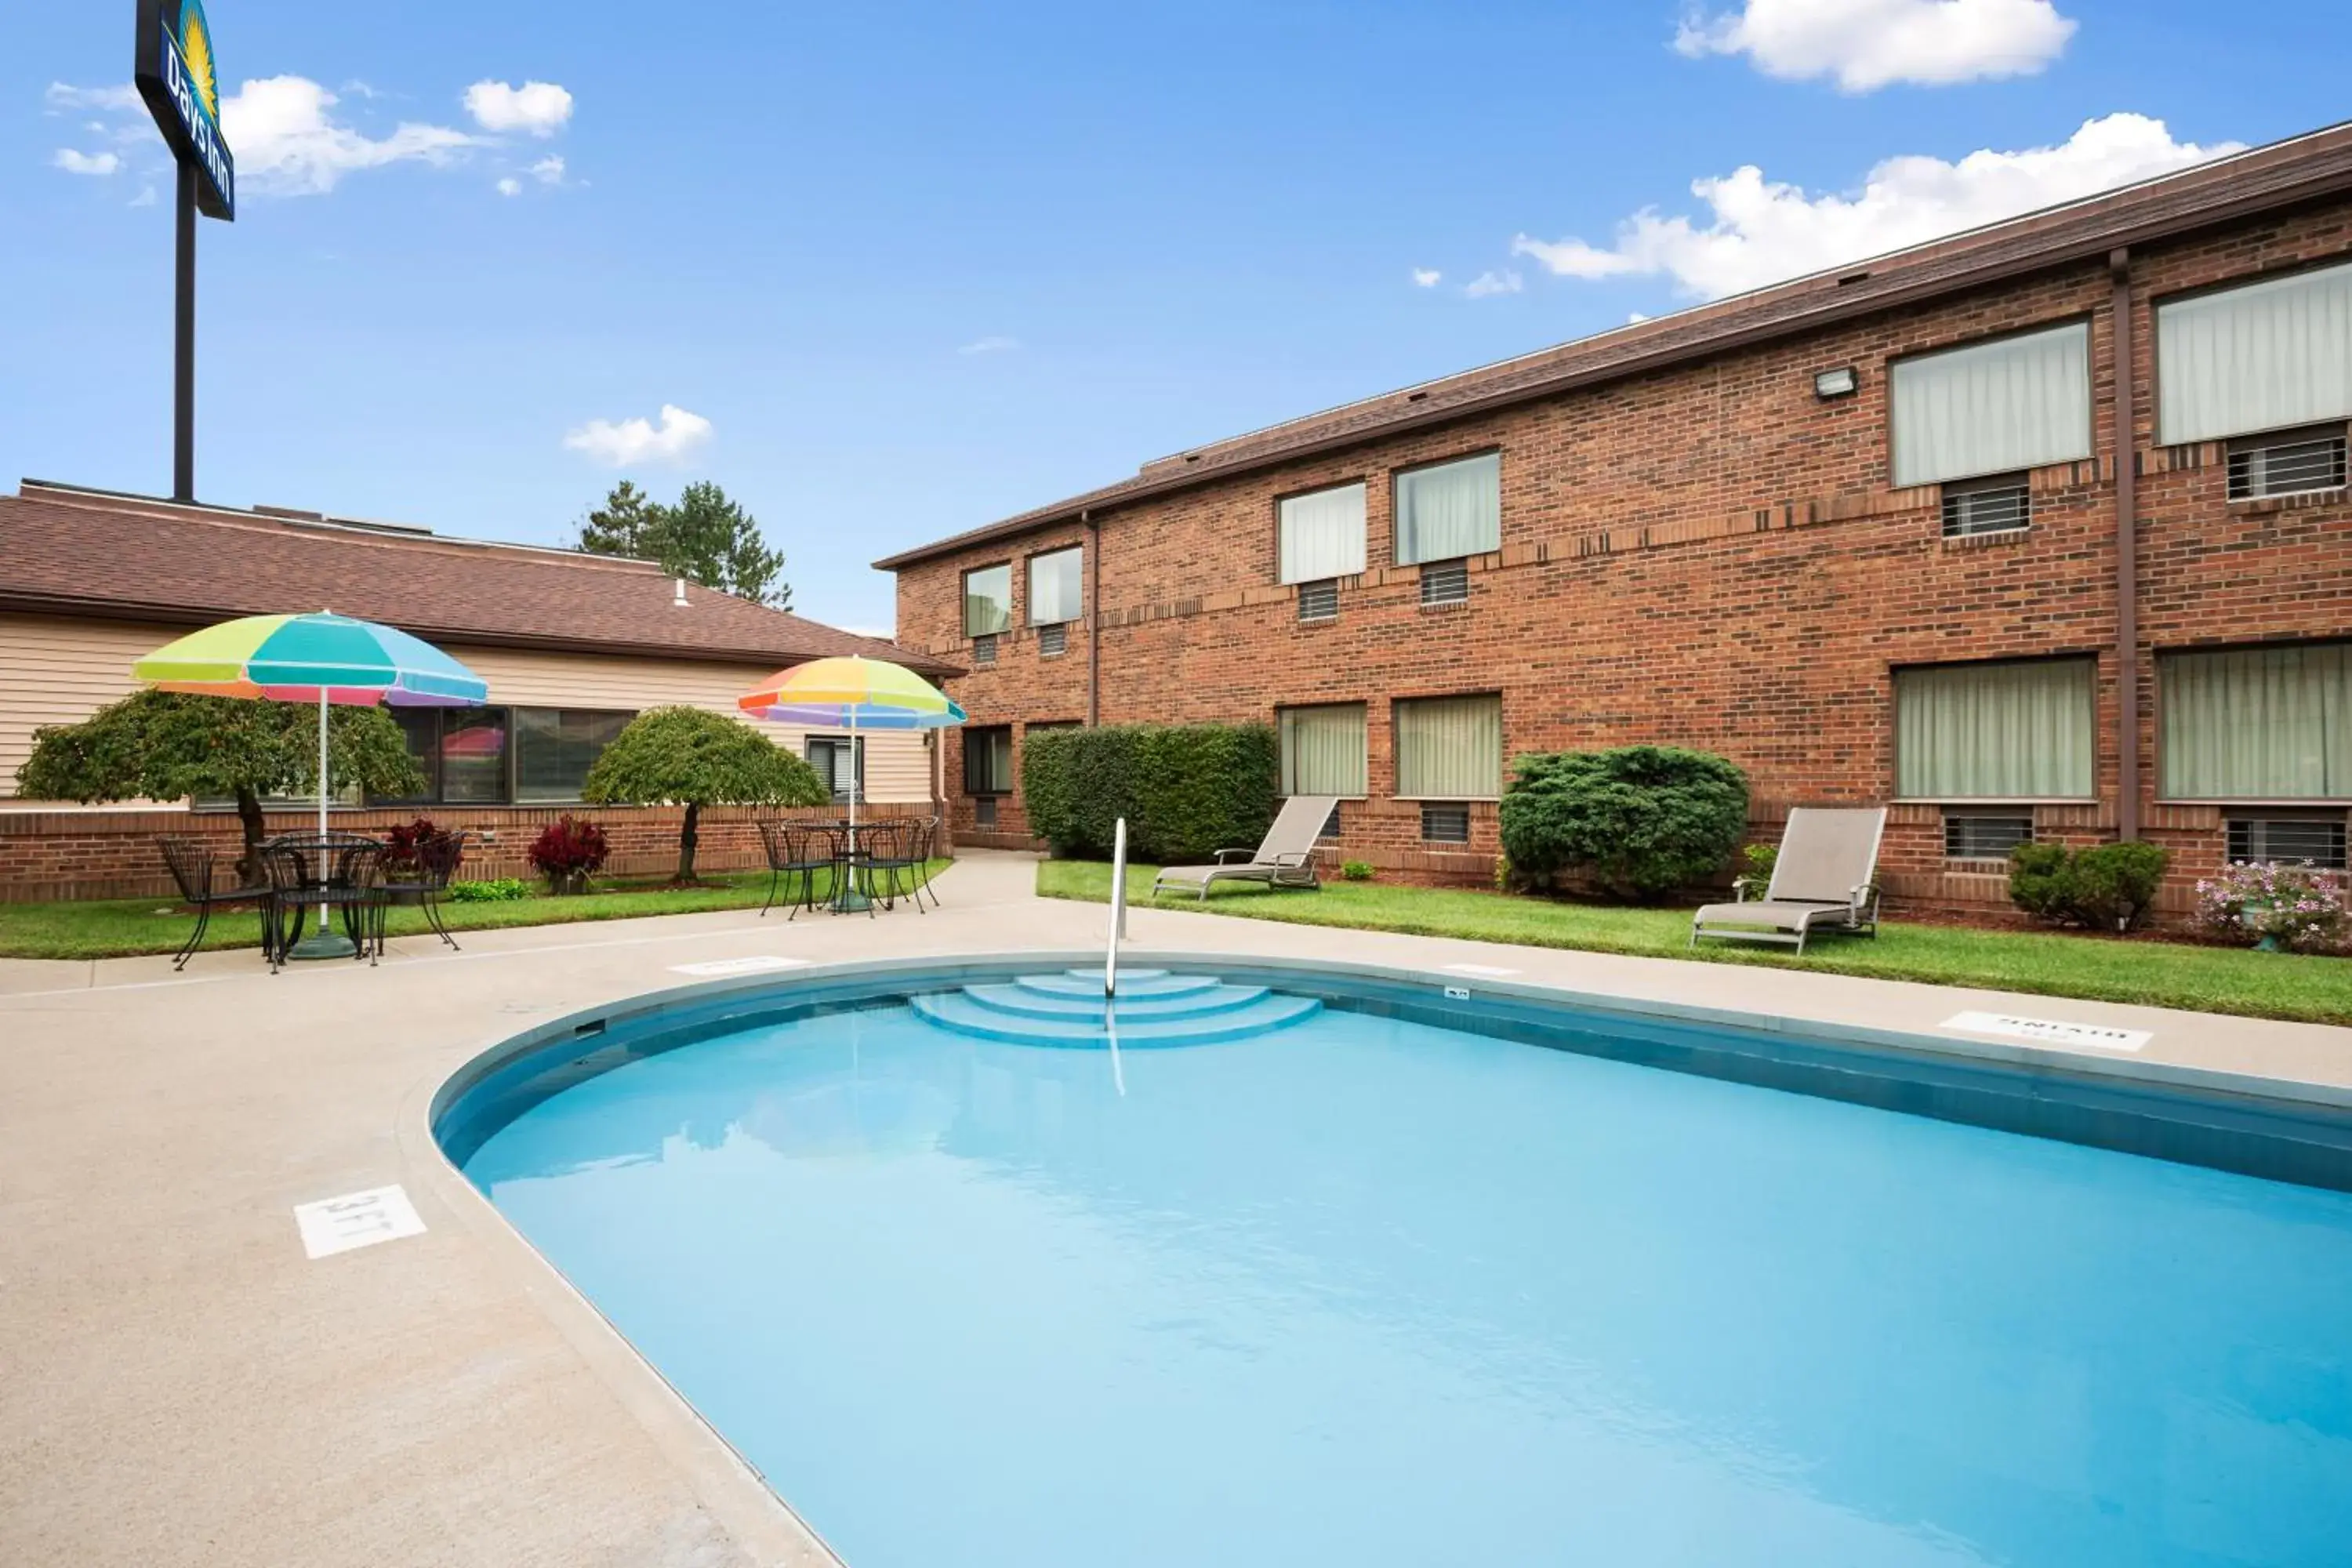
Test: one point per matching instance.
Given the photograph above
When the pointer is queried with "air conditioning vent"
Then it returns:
(983, 648)
(1445, 582)
(2314, 841)
(1985, 838)
(2286, 465)
(984, 811)
(1988, 506)
(1445, 824)
(1319, 601)
(1053, 639)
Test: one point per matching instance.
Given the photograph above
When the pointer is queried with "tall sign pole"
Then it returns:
(181, 81)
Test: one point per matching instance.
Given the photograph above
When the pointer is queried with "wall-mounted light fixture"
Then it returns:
(1844, 382)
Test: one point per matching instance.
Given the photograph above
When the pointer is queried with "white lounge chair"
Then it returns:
(1285, 860)
(1826, 879)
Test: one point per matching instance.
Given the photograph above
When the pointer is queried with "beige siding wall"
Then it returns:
(58, 671)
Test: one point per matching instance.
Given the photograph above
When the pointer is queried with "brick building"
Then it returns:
(1864, 532)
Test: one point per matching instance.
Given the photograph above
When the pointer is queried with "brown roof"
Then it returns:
(65, 551)
(2301, 169)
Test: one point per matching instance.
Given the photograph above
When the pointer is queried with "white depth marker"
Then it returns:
(2049, 1031)
(356, 1219)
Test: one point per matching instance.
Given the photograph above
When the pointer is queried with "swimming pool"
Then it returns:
(1363, 1288)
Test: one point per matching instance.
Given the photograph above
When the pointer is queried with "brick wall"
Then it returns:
(112, 854)
(1708, 556)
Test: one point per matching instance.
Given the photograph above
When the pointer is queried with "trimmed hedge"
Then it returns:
(2107, 887)
(1186, 790)
(1639, 821)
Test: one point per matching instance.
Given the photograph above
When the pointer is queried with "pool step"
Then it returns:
(1154, 1008)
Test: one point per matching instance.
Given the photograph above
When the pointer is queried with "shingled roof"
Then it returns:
(68, 550)
(2264, 179)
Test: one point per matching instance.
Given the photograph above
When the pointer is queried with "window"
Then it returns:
(2314, 841)
(1318, 601)
(983, 812)
(983, 648)
(987, 601)
(1995, 731)
(1988, 837)
(1987, 506)
(988, 760)
(1056, 593)
(1052, 640)
(1445, 582)
(474, 757)
(2272, 355)
(832, 758)
(554, 748)
(420, 731)
(1322, 534)
(1449, 748)
(1450, 509)
(2264, 723)
(1445, 824)
(1323, 750)
(1994, 408)
(2286, 465)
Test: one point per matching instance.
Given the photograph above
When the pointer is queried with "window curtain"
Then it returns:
(987, 601)
(1996, 731)
(1323, 536)
(1454, 508)
(2266, 723)
(988, 762)
(1450, 748)
(1991, 408)
(1323, 751)
(1055, 590)
(2266, 357)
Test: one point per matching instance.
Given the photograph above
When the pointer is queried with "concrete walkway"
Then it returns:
(179, 1383)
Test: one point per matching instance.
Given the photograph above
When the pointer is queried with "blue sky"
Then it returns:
(905, 269)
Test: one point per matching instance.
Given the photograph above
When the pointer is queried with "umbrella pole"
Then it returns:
(322, 942)
(848, 896)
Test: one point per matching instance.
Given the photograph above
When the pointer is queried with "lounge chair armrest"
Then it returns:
(1291, 858)
(1740, 888)
(1226, 857)
(1864, 900)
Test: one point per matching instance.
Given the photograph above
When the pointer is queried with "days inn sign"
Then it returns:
(181, 82)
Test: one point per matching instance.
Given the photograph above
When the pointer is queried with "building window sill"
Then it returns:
(1990, 537)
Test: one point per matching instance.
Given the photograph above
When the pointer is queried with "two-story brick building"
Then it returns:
(2039, 531)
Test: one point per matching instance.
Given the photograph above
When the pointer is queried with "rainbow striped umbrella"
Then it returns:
(323, 658)
(852, 694)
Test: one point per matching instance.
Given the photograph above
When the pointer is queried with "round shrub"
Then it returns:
(2107, 887)
(1638, 821)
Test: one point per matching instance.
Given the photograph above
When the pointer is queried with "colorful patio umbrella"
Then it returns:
(853, 694)
(323, 658)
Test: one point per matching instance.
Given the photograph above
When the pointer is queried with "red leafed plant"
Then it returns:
(568, 852)
(400, 844)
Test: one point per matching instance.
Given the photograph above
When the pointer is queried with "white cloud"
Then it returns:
(989, 345)
(97, 163)
(288, 144)
(61, 96)
(635, 441)
(510, 186)
(1868, 43)
(548, 171)
(1485, 283)
(147, 197)
(1427, 276)
(1763, 231)
(1634, 318)
(536, 107)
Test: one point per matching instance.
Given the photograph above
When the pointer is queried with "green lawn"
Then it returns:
(2162, 973)
(119, 928)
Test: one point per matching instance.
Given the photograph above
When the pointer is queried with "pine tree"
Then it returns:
(706, 537)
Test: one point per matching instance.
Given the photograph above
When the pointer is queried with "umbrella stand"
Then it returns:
(848, 898)
(326, 941)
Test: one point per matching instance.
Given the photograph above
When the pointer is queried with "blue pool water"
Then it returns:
(1363, 1291)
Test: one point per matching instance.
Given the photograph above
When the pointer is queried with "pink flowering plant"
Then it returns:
(2291, 907)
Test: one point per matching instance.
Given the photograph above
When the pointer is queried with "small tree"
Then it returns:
(1638, 821)
(164, 745)
(694, 758)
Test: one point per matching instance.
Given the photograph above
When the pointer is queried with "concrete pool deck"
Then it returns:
(179, 1383)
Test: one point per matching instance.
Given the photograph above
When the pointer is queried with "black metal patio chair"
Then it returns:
(891, 860)
(426, 883)
(337, 871)
(192, 862)
(799, 849)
